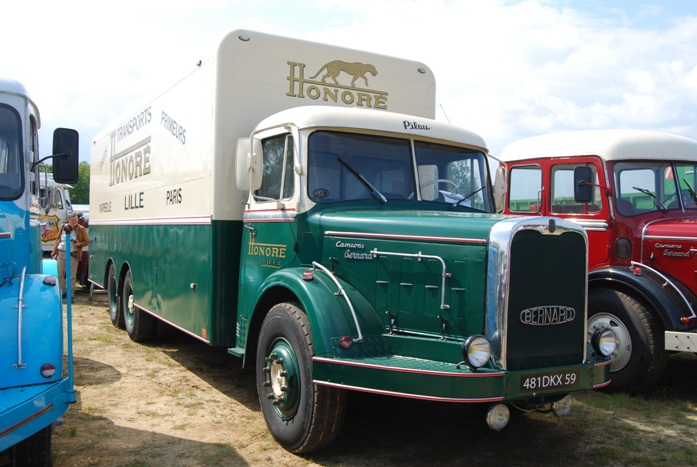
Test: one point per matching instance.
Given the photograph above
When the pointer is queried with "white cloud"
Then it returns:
(505, 69)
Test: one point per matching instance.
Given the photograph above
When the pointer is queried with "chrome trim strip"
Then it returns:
(406, 237)
(419, 256)
(591, 225)
(667, 237)
(410, 396)
(274, 215)
(667, 282)
(340, 292)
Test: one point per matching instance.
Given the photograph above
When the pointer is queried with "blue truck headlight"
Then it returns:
(476, 351)
(604, 342)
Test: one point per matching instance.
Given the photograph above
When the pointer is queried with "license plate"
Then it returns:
(546, 380)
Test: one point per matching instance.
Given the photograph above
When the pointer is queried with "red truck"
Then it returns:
(635, 193)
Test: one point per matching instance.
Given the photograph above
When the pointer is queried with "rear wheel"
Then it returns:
(139, 324)
(113, 298)
(640, 358)
(303, 417)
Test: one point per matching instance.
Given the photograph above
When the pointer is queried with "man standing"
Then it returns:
(75, 235)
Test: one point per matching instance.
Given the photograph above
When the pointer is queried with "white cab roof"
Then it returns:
(606, 144)
(364, 119)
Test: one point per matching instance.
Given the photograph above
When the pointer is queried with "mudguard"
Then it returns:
(649, 288)
(329, 315)
(41, 331)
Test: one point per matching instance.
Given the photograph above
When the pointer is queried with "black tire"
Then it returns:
(640, 358)
(303, 417)
(140, 325)
(115, 313)
(34, 451)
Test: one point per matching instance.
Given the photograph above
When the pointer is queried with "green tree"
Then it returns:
(80, 194)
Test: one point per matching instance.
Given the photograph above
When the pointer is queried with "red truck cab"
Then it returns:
(634, 192)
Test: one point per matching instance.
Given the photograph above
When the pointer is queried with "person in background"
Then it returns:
(82, 268)
(74, 235)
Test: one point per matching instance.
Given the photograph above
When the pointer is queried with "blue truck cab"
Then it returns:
(36, 381)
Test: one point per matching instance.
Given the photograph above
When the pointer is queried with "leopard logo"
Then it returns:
(356, 69)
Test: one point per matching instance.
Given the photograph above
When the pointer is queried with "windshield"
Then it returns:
(10, 152)
(655, 186)
(347, 166)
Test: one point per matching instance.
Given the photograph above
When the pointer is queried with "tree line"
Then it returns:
(80, 194)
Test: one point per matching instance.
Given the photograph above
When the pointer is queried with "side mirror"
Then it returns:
(248, 164)
(65, 155)
(583, 184)
(500, 188)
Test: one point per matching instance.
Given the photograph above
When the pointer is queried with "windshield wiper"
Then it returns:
(469, 196)
(692, 192)
(371, 189)
(656, 201)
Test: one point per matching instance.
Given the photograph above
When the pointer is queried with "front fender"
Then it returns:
(41, 330)
(329, 315)
(667, 304)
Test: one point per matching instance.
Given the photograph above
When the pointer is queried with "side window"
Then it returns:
(277, 180)
(563, 192)
(57, 199)
(525, 188)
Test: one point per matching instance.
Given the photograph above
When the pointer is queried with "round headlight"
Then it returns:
(476, 351)
(562, 407)
(604, 342)
(497, 417)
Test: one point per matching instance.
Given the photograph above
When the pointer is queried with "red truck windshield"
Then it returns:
(655, 186)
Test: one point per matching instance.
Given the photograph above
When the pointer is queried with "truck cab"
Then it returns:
(634, 193)
(36, 380)
(55, 205)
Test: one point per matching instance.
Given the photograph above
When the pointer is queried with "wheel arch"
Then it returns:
(327, 312)
(643, 288)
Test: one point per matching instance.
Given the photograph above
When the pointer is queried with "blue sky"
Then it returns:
(505, 69)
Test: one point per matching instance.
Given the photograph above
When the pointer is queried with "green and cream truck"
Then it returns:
(298, 204)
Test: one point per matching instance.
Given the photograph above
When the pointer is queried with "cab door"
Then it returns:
(268, 239)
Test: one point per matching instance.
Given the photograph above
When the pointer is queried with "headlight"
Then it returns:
(562, 407)
(497, 417)
(604, 342)
(476, 351)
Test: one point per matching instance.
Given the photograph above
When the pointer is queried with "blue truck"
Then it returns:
(36, 380)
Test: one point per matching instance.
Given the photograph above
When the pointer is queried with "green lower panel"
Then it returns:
(409, 377)
(185, 274)
(423, 379)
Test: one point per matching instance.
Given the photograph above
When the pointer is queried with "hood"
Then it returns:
(420, 225)
(670, 246)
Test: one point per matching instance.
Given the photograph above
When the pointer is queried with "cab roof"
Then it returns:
(369, 119)
(607, 144)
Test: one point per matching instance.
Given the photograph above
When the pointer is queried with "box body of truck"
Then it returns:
(36, 387)
(640, 212)
(298, 204)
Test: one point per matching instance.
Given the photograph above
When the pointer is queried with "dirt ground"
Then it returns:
(179, 402)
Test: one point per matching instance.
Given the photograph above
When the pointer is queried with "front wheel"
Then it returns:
(303, 417)
(640, 358)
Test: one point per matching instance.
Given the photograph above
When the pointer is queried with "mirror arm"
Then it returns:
(62, 154)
